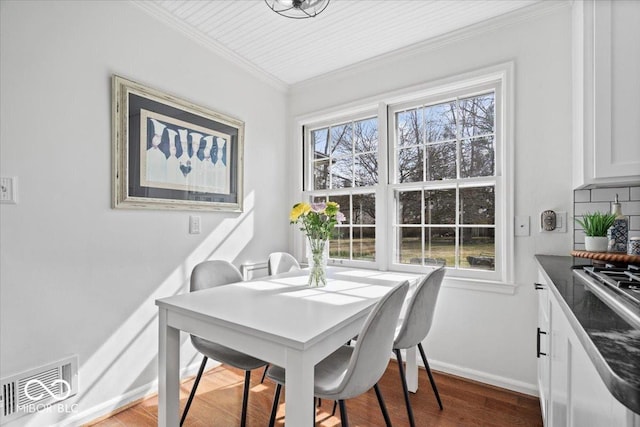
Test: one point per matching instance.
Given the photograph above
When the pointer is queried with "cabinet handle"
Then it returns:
(538, 286)
(538, 343)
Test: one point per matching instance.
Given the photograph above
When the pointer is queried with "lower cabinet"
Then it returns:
(571, 391)
(542, 348)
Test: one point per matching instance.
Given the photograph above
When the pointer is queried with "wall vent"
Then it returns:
(34, 390)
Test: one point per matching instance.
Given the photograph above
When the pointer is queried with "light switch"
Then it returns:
(194, 224)
(8, 190)
(522, 226)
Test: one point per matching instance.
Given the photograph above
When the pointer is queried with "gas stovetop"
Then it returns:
(617, 287)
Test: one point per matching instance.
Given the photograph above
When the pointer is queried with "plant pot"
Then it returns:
(595, 243)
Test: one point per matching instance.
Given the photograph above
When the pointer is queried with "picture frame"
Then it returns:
(169, 153)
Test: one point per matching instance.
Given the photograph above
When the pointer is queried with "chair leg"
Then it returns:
(344, 421)
(193, 390)
(335, 406)
(274, 408)
(264, 374)
(245, 398)
(433, 383)
(383, 407)
(405, 389)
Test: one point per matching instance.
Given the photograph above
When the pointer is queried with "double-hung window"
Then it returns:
(343, 159)
(430, 189)
(444, 181)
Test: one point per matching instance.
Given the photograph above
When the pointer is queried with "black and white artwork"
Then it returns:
(171, 154)
(181, 156)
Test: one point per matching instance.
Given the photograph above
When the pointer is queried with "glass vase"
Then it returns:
(318, 254)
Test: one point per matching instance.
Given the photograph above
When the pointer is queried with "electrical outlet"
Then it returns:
(194, 224)
(8, 190)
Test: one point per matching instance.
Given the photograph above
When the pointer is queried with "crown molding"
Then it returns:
(162, 15)
(536, 10)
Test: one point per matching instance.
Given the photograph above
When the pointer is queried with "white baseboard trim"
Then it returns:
(484, 377)
(114, 404)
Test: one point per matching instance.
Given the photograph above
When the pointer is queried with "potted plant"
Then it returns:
(595, 227)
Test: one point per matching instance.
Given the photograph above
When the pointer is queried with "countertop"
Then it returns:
(612, 344)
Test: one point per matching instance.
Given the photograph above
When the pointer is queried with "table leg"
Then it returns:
(300, 410)
(412, 369)
(168, 373)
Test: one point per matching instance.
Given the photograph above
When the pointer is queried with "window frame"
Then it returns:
(495, 180)
(499, 76)
(308, 179)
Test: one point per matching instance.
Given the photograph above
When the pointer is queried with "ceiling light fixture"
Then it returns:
(297, 9)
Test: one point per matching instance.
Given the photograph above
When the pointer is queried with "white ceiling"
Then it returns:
(347, 32)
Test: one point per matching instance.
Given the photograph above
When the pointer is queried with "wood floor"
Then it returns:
(466, 403)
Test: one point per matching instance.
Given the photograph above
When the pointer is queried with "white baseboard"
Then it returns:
(114, 404)
(479, 376)
(484, 377)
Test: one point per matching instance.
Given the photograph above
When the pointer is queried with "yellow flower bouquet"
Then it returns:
(317, 220)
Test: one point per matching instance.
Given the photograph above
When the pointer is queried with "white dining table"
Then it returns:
(278, 319)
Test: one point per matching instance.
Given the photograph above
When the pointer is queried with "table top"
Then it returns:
(284, 308)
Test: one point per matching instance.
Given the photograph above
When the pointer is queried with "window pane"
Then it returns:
(364, 209)
(339, 243)
(342, 173)
(341, 140)
(366, 169)
(477, 248)
(318, 199)
(410, 165)
(409, 207)
(477, 115)
(364, 243)
(345, 208)
(477, 205)
(366, 135)
(477, 157)
(440, 121)
(409, 247)
(320, 139)
(321, 175)
(440, 206)
(410, 128)
(441, 161)
(440, 246)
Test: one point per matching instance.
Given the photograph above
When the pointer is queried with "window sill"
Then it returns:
(479, 285)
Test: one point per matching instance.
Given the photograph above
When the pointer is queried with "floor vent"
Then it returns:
(36, 389)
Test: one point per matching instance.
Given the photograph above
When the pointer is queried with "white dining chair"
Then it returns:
(352, 371)
(206, 275)
(415, 326)
(281, 262)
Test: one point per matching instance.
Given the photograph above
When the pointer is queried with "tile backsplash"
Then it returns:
(600, 199)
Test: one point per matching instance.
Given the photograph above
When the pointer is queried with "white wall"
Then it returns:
(484, 335)
(78, 277)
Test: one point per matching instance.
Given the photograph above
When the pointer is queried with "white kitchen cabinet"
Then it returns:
(542, 346)
(606, 92)
(579, 397)
(572, 393)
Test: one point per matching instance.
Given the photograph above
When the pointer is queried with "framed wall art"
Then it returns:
(171, 154)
